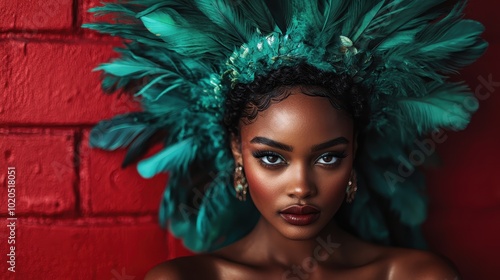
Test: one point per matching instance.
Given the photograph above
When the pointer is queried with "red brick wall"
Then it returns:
(79, 216)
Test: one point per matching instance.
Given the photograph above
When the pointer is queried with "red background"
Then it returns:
(82, 217)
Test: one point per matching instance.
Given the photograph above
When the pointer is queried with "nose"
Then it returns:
(302, 184)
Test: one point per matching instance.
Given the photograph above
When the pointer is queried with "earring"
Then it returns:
(240, 183)
(352, 187)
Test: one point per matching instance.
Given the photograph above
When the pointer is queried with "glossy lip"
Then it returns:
(299, 209)
(300, 215)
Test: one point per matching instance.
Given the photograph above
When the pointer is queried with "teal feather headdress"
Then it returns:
(182, 57)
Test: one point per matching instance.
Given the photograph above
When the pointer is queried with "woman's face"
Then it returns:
(297, 152)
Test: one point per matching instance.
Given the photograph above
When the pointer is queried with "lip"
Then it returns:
(299, 210)
(300, 215)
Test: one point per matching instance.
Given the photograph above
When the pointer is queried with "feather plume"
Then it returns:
(118, 132)
(177, 32)
(446, 106)
(131, 66)
(308, 12)
(333, 12)
(173, 158)
(229, 18)
(367, 20)
(257, 12)
(411, 205)
(140, 145)
(443, 41)
(358, 10)
(183, 56)
(281, 11)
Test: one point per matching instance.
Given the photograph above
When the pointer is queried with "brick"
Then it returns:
(38, 15)
(54, 83)
(85, 252)
(45, 172)
(107, 188)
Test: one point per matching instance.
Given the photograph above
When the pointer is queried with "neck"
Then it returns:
(292, 253)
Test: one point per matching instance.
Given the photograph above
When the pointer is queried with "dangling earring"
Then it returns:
(240, 183)
(352, 187)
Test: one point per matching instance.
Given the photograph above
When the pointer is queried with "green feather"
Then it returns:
(411, 204)
(118, 132)
(441, 43)
(140, 145)
(308, 12)
(178, 33)
(333, 15)
(228, 17)
(136, 66)
(446, 106)
(136, 33)
(366, 215)
(282, 12)
(406, 37)
(367, 19)
(184, 7)
(257, 12)
(110, 8)
(176, 158)
(165, 105)
(356, 12)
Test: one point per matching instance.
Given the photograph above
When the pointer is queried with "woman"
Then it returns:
(298, 153)
(290, 106)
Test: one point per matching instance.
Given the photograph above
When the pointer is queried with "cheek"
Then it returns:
(261, 187)
(332, 188)
(332, 185)
(264, 186)
(333, 181)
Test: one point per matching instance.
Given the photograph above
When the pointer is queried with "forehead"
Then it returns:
(310, 119)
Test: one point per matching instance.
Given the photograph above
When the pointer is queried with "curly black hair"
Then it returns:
(246, 100)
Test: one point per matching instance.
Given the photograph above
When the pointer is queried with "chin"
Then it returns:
(300, 236)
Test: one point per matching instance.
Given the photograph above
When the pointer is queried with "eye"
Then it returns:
(268, 158)
(271, 159)
(330, 158)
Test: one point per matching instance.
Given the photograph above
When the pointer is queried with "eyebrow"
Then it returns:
(271, 143)
(288, 148)
(330, 143)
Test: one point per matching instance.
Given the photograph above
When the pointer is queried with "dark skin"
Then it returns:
(300, 151)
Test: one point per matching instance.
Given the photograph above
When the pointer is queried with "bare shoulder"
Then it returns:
(164, 271)
(416, 264)
(182, 268)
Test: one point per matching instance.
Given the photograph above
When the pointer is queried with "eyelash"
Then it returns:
(337, 155)
(262, 154)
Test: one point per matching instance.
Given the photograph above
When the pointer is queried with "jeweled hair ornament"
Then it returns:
(182, 57)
